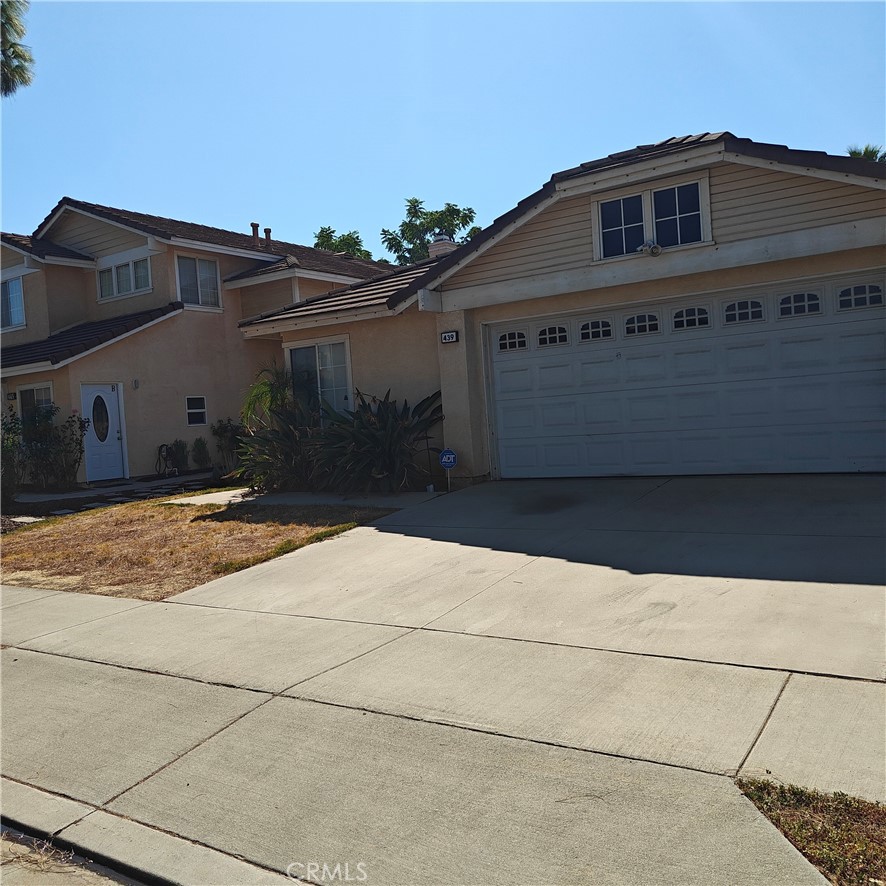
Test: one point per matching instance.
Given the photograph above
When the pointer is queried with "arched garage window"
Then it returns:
(744, 311)
(860, 297)
(594, 330)
(691, 318)
(641, 324)
(799, 303)
(512, 341)
(552, 335)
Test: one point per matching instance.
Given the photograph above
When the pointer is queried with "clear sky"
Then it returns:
(298, 115)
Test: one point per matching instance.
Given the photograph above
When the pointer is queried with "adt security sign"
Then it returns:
(448, 459)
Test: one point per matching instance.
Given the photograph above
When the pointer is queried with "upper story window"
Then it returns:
(552, 335)
(621, 226)
(512, 341)
(673, 216)
(594, 330)
(127, 278)
(198, 281)
(865, 296)
(691, 318)
(744, 311)
(799, 303)
(677, 214)
(641, 324)
(13, 304)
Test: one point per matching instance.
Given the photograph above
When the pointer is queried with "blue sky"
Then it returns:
(298, 115)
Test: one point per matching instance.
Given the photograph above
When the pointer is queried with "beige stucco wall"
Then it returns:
(463, 373)
(36, 311)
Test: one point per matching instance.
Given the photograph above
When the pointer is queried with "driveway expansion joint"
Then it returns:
(764, 724)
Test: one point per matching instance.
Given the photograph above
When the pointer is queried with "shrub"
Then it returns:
(374, 447)
(178, 449)
(228, 438)
(11, 457)
(200, 454)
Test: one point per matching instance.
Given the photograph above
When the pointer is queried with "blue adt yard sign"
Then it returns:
(448, 459)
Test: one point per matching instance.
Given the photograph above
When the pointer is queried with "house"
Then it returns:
(703, 305)
(132, 320)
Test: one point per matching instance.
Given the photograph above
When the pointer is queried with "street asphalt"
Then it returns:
(524, 682)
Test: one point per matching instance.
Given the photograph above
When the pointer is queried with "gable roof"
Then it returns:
(371, 296)
(308, 258)
(40, 248)
(81, 338)
(623, 159)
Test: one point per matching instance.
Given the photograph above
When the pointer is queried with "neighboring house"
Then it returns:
(131, 319)
(704, 305)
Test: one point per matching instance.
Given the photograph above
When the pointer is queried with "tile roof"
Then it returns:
(308, 258)
(370, 294)
(81, 338)
(41, 248)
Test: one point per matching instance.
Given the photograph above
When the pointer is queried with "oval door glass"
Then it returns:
(100, 421)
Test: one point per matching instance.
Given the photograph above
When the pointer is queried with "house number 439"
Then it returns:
(449, 337)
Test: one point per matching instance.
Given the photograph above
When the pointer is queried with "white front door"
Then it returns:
(104, 437)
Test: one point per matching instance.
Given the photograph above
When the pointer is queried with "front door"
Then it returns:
(104, 437)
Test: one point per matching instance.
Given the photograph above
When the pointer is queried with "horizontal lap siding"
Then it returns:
(750, 202)
(558, 238)
(93, 237)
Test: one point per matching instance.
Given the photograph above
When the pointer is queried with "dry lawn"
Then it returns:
(151, 550)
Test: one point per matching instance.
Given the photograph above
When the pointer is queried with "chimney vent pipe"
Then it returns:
(255, 240)
(268, 237)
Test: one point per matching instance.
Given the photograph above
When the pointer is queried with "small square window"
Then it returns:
(196, 410)
(512, 341)
(552, 335)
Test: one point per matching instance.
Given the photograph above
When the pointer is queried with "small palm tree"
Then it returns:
(17, 61)
(271, 392)
(874, 153)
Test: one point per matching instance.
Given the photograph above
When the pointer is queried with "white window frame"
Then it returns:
(838, 288)
(645, 192)
(586, 341)
(32, 387)
(189, 410)
(24, 323)
(703, 327)
(642, 312)
(798, 290)
(526, 338)
(213, 309)
(112, 262)
(328, 340)
(728, 324)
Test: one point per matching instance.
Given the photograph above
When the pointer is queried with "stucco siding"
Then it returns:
(263, 297)
(36, 312)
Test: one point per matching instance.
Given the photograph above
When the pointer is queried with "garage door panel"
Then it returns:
(802, 393)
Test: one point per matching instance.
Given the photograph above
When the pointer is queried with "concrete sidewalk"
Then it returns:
(514, 684)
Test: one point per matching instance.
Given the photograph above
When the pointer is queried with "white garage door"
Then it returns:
(788, 380)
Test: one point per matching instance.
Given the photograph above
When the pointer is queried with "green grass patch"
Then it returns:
(226, 567)
(844, 837)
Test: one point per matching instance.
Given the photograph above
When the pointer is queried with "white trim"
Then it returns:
(111, 263)
(293, 273)
(10, 272)
(204, 410)
(28, 256)
(344, 338)
(124, 442)
(128, 255)
(178, 292)
(21, 287)
(293, 324)
(45, 365)
(844, 177)
(674, 263)
(32, 386)
(69, 262)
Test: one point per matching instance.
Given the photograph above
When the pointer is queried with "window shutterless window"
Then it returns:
(198, 281)
(552, 335)
(13, 303)
(125, 279)
(595, 329)
(196, 410)
(864, 296)
(512, 341)
(672, 216)
(799, 303)
(35, 404)
(320, 372)
(691, 318)
(744, 311)
(641, 324)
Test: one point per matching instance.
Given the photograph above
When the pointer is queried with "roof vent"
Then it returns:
(255, 240)
(441, 245)
(268, 237)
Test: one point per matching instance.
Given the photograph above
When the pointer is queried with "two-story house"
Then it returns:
(707, 304)
(132, 320)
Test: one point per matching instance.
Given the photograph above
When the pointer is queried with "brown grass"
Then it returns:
(151, 550)
(844, 837)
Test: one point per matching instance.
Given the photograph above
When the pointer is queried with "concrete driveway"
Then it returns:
(533, 681)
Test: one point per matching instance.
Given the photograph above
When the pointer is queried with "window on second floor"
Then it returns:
(125, 279)
(666, 216)
(198, 281)
(13, 304)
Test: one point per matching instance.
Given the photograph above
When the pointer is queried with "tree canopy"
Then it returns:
(352, 242)
(17, 68)
(409, 243)
(875, 153)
